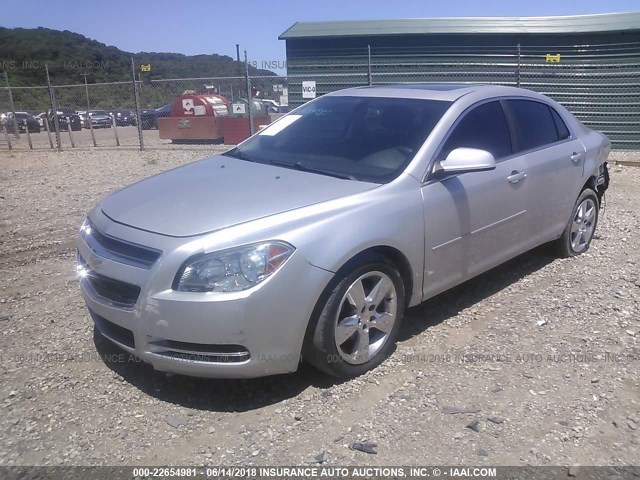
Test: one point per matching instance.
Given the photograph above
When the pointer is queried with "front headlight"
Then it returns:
(234, 269)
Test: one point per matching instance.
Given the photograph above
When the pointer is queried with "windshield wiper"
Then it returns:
(238, 154)
(306, 168)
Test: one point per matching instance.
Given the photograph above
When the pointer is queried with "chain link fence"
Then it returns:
(600, 84)
(131, 114)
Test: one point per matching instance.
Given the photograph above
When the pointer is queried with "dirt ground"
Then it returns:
(543, 353)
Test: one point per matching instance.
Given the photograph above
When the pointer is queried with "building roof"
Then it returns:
(608, 22)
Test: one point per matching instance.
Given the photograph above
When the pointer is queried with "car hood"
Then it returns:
(219, 192)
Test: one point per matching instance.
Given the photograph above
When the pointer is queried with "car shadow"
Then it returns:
(240, 395)
(448, 304)
(223, 395)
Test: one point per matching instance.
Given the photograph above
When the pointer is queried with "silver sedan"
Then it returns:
(311, 239)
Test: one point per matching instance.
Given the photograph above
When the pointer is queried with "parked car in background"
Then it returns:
(124, 118)
(272, 105)
(97, 119)
(68, 118)
(316, 234)
(40, 117)
(149, 117)
(25, 121)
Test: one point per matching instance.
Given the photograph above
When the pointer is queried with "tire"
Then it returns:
(349, 312)
(579, 231)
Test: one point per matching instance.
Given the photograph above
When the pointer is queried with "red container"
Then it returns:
(195, 117)
(236, 129)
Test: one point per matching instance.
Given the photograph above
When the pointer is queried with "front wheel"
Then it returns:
(359, 320)
(578, 233)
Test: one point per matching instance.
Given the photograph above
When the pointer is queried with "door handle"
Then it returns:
(576, 157)
(516, 176)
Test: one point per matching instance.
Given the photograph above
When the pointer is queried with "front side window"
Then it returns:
(533, 123)
(362, 138)
(485, 127)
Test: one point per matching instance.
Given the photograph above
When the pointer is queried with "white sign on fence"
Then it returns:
(309, 89)
(284, 100)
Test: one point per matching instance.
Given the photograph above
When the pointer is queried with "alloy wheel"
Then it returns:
(365, 318)
(583, 225)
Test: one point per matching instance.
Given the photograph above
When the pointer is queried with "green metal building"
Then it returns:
(589, 63)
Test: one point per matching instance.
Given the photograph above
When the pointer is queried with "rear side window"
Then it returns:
(561, 127)
(485, 127)
(533, 123)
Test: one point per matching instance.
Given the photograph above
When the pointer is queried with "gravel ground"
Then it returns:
(536, 362)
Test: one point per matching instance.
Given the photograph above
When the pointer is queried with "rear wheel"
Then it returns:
(359, 320)
(578, 233)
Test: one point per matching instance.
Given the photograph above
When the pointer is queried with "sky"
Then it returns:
(215, 26)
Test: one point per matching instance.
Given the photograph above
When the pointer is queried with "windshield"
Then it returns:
(361, 138)
(98, 112)
(66, 111)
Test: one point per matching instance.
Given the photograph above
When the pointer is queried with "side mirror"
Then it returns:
(463, 159)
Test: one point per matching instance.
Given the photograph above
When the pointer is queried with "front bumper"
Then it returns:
(252, 333)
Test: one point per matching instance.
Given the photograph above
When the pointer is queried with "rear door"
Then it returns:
(554, 161)
(476, 220)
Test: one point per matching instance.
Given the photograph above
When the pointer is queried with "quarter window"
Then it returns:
(534, 124)
(563, 131)
(485, 127)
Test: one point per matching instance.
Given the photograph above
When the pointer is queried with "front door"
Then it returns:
(476, 220)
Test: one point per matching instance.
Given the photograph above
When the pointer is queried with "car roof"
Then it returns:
(432, 91)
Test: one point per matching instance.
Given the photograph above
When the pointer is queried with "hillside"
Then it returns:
(23, 53)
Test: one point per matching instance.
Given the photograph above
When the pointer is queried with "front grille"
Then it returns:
(118, 250)
(114, 292)
(202, 352)
(113, 332)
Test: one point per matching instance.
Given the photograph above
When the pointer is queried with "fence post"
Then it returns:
(86, 91)
(249, 99)
(29, 137)
(13, 108)
(518, 70)
(48, 128)
(137, 101)
(73, 144)
(6, 136)
(54, 109)
(115, 130)
(369, 64)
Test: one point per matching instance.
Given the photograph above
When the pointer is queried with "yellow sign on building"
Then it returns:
(553, 58)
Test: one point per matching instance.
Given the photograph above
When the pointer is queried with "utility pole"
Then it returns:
(13, 108)
(137, 100)
(88, 117)
(54, 109)
(249, 99)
